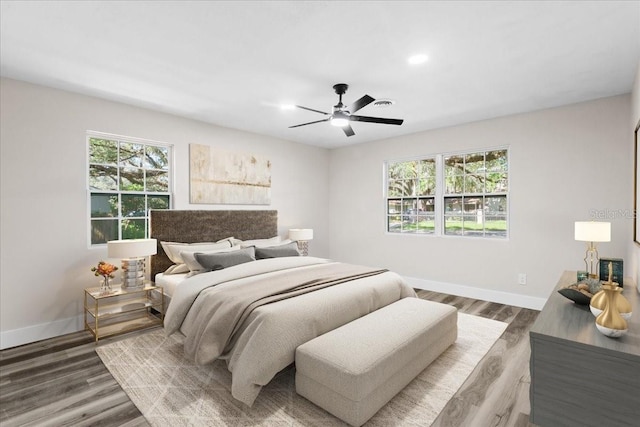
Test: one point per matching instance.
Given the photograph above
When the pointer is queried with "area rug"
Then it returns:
(171, 391)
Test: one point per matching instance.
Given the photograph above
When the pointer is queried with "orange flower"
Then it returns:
(104, 269)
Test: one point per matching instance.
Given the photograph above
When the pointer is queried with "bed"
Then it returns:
(289, 300)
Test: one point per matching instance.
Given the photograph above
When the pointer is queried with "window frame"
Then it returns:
(120, 139)
(441, 195)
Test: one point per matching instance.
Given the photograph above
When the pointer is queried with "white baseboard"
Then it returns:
(517, 300)
(34, 333)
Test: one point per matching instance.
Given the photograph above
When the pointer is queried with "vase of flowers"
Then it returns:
(104, 270)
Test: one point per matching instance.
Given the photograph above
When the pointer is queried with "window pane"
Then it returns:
(473, 183)
(473, 224)
(408, 187)
(497, 182)
(394, 206)
(409, 223)
(409, 206)
(454, 184)
(426, 205)
(410, 169)
(156, 158)
(131, 154)
(497, 161)
(452, 205)
(103, 151)
(426, 223)
(103, 177)
(394, 223)
(131, 179)
(453, 225)
(103, 230)
(158, 202)
(474, 163)
(134, 228)
(395, 188)
(495, 221)
(394, 171)
(453, 165)
(104, 205)
(157, 181)
(472, 204)
(427, 187)
(428, 167)
(133, 205)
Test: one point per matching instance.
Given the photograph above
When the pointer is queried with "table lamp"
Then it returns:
(302, 237)
(133, 253)
(592, 232)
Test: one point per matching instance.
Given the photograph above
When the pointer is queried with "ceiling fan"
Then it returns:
(342, 115)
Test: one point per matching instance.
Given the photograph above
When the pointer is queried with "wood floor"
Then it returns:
(62, 381)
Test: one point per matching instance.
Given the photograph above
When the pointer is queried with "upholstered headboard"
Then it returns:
(192, 226)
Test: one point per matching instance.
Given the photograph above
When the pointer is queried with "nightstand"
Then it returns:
(122, 310)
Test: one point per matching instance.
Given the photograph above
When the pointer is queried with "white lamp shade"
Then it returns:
(133, 248)
(592, 231)
(301, 234)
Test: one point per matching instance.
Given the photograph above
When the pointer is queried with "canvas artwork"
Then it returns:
(228, 177)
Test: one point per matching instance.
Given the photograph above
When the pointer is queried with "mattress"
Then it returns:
(169, 282)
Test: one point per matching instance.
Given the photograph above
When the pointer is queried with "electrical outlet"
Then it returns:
(522, 279)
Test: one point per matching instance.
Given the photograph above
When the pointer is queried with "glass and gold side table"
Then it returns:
(121, 311)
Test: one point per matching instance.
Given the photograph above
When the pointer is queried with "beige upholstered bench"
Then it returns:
(354, 370)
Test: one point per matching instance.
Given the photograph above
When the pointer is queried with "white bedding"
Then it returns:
(169, 282)
(270, 335)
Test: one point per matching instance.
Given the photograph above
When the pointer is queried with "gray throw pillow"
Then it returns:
(290, 249)
(218, 261)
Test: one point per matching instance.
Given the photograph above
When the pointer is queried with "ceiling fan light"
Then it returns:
(339, 122)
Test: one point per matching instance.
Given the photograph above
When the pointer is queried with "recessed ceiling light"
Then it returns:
(418, 59)
(287, 107)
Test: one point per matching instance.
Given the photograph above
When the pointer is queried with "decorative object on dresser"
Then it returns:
(133, 253)
(105, 271)
(582, 292)
(592, 232)
(600, 300)
(610, 322)
(302, 236)
(570, 360)
(617, 270)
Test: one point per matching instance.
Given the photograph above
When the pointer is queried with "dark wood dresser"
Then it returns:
(579, 377)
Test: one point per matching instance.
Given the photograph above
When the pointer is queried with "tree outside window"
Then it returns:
(125, 180)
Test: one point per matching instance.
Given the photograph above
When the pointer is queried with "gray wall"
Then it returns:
(564, 163)
(45, 256)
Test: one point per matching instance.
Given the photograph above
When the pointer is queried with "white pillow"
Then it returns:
(265, 243)
(193, 264)
(173, 249)
(177, 269)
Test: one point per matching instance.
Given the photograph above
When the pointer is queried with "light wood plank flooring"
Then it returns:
(62, 381)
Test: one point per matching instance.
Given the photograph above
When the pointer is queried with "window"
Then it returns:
(126, 178)
(469, 199)
(411, 188)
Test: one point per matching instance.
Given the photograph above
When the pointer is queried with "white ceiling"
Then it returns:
(234, 63)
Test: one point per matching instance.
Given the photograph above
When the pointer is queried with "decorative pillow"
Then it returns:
(232, 240)
(194, 266)
(218, 261)
(173, 249)
(264, 243)
(177, 269)
(290, 249)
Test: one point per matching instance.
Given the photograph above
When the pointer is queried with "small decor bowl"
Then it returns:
(581, 293)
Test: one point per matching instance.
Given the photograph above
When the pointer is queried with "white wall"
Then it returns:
(45, 260)
(564, 163)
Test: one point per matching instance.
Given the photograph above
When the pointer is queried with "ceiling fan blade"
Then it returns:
(376, 120)
(311, 109)
(348, 130)
(310, 123)
(360, 103)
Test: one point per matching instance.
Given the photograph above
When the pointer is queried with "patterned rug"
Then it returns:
(171, 391)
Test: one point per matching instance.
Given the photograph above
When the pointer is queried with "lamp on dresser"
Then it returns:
(133, 253)
(302, 237)
(592, 232)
